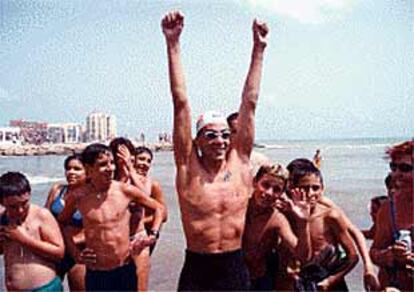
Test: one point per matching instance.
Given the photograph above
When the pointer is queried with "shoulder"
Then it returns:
(278, 220)
(56, 188)
(41, 213)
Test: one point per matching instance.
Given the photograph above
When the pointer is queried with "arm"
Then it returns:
(70, 207)
(340, 231)
(52, 195)
(172, 25)
(300, 248)
(370, 277)
(50, 244)
(244, 139)
(141, 198)
(384, 252)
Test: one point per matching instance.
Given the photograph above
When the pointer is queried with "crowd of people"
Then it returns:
(249, 223)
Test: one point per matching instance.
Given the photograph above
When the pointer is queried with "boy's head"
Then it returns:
(99, 163)
(304, 175)
(15, 194)
(143, 160)
(376, 203)
(269, 184)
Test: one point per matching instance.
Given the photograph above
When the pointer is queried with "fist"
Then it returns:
(260, 32)
(172, 24)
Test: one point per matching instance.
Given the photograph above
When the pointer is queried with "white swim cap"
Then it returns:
(210, 117)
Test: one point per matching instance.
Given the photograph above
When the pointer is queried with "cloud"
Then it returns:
(305, 11)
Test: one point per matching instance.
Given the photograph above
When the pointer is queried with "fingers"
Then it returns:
(88, 256)
(172, 19)
(261, 27)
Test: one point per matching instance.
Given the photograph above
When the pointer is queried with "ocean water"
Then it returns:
(353, 170)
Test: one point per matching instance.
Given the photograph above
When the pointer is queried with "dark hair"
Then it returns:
(232, 117)
(142, 149)
(388, 181)
(68, 159)
(115, 143)
(300, 167)
(92, 152)
(379, 200)
(13, 184)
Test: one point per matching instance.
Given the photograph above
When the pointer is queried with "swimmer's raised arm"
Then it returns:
(244, 139)
(172, 25)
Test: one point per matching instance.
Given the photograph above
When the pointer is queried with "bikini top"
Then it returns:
(57, 207)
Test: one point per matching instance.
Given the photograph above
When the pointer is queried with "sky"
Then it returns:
(332, 68)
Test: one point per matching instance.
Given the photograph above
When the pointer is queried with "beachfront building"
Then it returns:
(100, 127)
(65, 133)
(31, 132)
(10, 136)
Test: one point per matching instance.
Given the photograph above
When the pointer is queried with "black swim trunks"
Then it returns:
(123, 278)
(214, 272)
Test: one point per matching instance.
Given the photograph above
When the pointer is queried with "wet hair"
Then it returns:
(276, 170)
(378, 200)
(68, 159)
(142, 149)
(14, 184)
(300, 167)
(402, 149)
(231, 117)
(117, 142)
(91, 153)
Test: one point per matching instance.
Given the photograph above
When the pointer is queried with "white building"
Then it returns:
(10, 136)
(64, 133)
(100, 127)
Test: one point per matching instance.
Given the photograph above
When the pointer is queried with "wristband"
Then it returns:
(155, 233)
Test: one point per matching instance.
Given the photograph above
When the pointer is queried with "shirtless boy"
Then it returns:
(327, 226)
(30, 239)
(213, 180)
(370, 278)
(266, 227)
(393, 256)
(104, 204)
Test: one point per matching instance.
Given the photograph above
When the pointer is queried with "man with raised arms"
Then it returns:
(104, 205)
(213, 180)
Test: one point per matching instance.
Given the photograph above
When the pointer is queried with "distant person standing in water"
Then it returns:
(73, 232)
(30, 239)
(213, 180)
(317, 159)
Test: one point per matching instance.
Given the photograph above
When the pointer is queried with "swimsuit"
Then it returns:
(53, 286)
(57, 207)
(214, 271)
(123, 278)
(67, 263)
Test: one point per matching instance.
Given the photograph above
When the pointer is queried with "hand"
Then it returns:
(172, 25)
(124, 156)
(299, 206)
(371, 282)
(324, 285)
(260, 31)
(87, 256)
(400, 252)
(16, 233)
(139, 241)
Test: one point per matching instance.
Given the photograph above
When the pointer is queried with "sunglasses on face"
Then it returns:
(212, 135)
(403, 167)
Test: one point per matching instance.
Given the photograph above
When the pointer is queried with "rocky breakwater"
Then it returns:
(62, 149)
